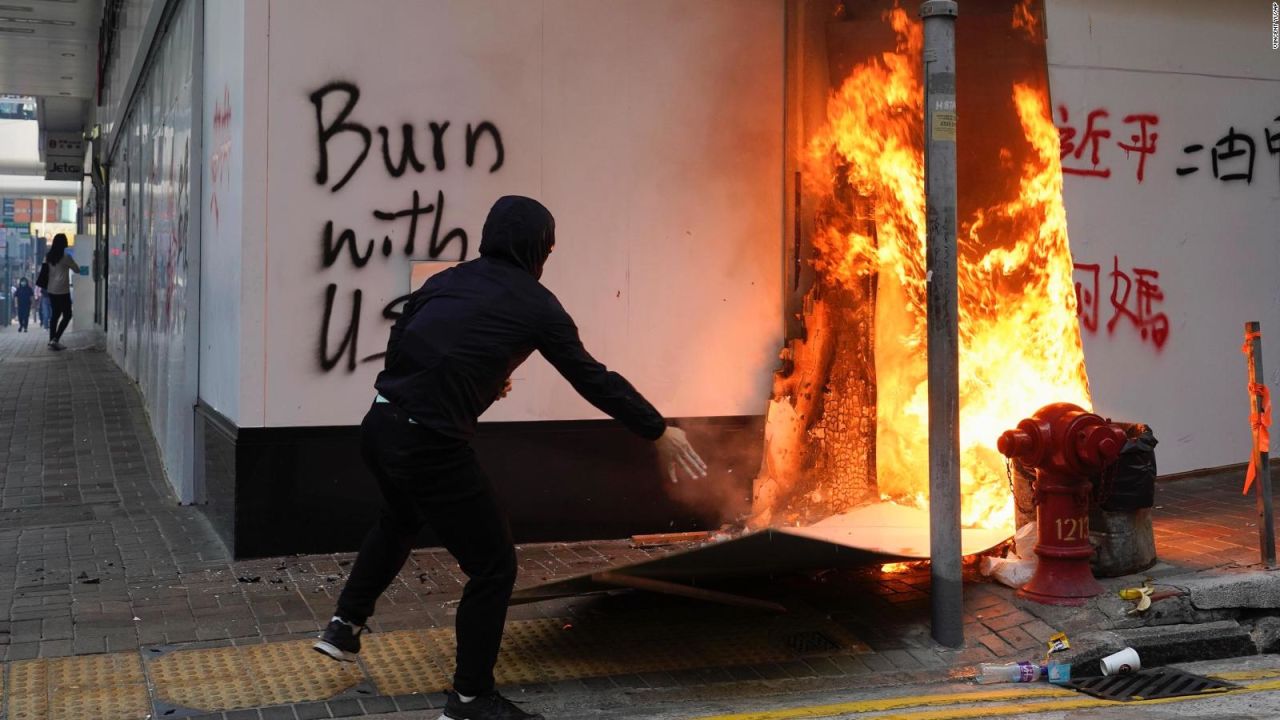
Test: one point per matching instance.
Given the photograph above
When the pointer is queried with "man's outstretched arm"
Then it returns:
(561, 345)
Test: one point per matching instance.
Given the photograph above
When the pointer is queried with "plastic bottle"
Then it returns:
(989, 673)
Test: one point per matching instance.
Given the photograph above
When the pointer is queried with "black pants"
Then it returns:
(61, 305)
(429, 479)
(24, 314)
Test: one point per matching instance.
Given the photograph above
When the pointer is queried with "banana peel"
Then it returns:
(1141, 596)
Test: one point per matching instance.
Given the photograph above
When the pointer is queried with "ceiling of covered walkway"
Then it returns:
(48, 50)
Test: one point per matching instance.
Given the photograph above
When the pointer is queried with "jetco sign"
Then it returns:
(63, 156)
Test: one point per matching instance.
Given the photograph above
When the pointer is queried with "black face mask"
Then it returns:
(521, 231)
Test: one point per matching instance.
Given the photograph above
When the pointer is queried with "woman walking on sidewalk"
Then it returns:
(61, 265)
(23, 296)
(449, 357)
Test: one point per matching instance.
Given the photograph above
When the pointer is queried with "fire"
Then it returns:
(1025, 19)
(1020, 344)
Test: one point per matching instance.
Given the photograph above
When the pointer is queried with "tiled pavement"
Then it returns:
(96, 556)
(1206, 522)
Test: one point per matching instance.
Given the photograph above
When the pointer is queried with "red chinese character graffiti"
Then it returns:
(1087, 296)
(1153, 326)
(220, 153)
(1135, 296)
(1073, 144)
(1142, 142)
(1093, 136)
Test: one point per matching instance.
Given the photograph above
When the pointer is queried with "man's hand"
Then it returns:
(674, 450)
(506, 390)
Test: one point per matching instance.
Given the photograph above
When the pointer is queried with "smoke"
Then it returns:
(732, 452)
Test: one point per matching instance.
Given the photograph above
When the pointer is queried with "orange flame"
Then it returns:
(1020, 342)
(1025, 19)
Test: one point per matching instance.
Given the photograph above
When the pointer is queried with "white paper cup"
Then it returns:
(1125, 661)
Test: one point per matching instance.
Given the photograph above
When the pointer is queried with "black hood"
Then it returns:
(519, 230)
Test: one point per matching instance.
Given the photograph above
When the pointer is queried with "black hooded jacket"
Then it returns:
(468, 328)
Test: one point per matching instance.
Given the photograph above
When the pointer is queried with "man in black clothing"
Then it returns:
(449, 357)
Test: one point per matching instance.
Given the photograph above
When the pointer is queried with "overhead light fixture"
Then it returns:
(67, 77)
(24, 31)
(16, 8)
(37, 21)
(65, 93)
(68, 54)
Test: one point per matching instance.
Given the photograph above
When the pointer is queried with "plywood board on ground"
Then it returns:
(870, 535)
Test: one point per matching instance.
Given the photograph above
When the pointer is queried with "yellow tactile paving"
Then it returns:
(95, 670)
(551, 649)
(291, 672)
(28, 691)
(409, 661)
(113, 687)
(102, 703)
(231, 678)
(210, 679)
(104, 687)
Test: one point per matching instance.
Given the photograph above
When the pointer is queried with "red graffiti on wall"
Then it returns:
(1134, 298)
(220, 154)
(1092, 138)
(1087, 296)
(1143, 141)
(1075, 144)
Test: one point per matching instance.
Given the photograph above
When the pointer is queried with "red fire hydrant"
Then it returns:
(1066, 446)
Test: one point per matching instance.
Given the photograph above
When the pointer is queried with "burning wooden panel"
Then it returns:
(848, 421)
(870, 535)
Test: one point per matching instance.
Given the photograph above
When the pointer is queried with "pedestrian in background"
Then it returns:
(42, 307)
(23, 294)
(60, 265)
(449, 357)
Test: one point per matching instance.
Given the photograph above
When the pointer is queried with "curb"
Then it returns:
(1162, 645)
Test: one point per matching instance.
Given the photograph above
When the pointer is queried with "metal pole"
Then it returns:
(8, 280)
(8, 285)
(944, 356)
(1266, 516)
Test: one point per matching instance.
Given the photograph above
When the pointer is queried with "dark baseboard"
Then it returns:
(1232, 469)
(279, 491)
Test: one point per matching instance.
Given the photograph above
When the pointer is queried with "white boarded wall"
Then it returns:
(222, 206)
(1199, 254)
(651, 129)
(152, 313)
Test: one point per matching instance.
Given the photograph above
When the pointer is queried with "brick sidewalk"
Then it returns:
(96, 555)
(1205, 522)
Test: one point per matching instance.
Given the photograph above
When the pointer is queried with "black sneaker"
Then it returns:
(490, 706)
(340, 641)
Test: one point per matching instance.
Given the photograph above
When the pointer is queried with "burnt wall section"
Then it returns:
(277, 491)
(820, 455)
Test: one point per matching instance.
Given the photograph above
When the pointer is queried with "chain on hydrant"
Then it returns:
(1066, 446)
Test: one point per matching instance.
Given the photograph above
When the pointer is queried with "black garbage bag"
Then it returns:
(1131, 483)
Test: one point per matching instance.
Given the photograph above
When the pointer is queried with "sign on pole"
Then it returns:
(63, 156)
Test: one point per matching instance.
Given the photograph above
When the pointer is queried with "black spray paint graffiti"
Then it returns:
(334, 133)
(341, 124)
(351, 338)
(331, 249)
(1233, 156)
